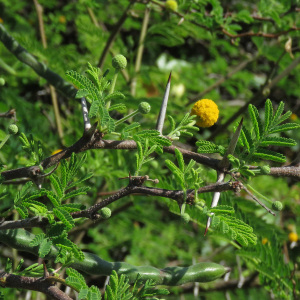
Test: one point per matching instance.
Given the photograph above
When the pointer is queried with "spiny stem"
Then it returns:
(140, 49)
(163, 108)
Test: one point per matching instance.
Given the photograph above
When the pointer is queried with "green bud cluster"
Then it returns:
(277, 206)
(105, 212)
(119, 62)
(144, 108)
(13, 129)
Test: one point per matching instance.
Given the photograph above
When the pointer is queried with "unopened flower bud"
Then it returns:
(119, 62)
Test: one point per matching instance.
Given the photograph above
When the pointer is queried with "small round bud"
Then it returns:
(2, 81)
(119, 62)
(277, 206)
(13, 129)
(105, 212)
(171, 5)
(144, 108)
(293, 237)
(186, 218)
(265, 170)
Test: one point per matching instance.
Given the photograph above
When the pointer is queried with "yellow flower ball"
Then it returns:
(293, 237)
(171, 5)
(62, 19)
(293, 117)
(207, 112)
(264, 241)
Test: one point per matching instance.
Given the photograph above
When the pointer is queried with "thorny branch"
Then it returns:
(92, 139)
(134, 187)
(41, 284)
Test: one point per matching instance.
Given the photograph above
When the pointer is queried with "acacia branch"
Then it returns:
(114, 34)
(92, 139)
(259, 34)
(91, 212)
(42, 284)
(40, 68)
(257, 98)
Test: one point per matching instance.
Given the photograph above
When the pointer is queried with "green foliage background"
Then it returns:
(148, 230)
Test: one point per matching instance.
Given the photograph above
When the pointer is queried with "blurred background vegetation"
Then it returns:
(234, 52)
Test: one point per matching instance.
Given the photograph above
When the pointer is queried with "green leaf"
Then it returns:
(65, 217)
(93, 112)
(57, 185)
(269, 155)
(268, 114)
(52, 197)
(179, 159)
(254, 115)
(222, 209)
(284, 127)
(114, 96)
(44, 248)
(278, 141)
(82, 93)
(278, 112)
(119, 106)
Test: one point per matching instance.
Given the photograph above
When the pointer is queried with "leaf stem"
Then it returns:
(126, 117)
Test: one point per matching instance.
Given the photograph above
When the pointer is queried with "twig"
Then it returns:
(140, 49)
(258, 201)
(257, 98)
(11, 114)
(238, 68)
(41, 69)
(163, 108)
(176, 195)
(41, 284)
(39, 10)
(259, 34)
(114, 34)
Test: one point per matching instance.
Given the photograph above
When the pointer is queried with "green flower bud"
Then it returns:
(265, 170)
(171, 5)
(105, 212)
(119, 62)
(277, 206)
(144, 108)
(186, 218)
(13, 129)
(2, 81)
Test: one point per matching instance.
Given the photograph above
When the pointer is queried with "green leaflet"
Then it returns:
(83, 82)
(65, 217)
(278, 141)
(44, 247)
(269, 155)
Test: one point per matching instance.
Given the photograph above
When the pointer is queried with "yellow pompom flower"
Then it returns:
(207, 112)
(293, 237)
(171, 5)
(264, 241)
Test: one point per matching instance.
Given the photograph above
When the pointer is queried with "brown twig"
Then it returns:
(238, 68)
(11, 114)
(257, 98)
(258, 201)
(42, 284)
(39, 10)
(114, 34)
(134, 187)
